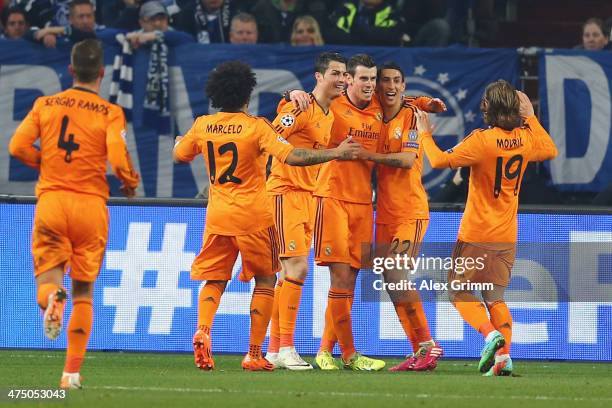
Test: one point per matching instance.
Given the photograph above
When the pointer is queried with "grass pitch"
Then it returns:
(171, 380)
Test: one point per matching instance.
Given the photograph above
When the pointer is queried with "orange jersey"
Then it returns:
(497, 159)
(310, 129)
(351, 180)
(78, 132)
(234, 147)
(401, 195)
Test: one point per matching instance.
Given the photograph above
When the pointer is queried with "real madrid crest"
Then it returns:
(292, 245)
(378, 116)
(397, 133)
(328, 251)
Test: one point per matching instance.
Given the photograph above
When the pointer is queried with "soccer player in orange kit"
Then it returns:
(497, 158)
(238, 217)
(291, 189)
(78, 132)
(402, 211)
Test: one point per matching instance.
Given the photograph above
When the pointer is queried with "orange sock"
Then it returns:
(274, 324)
(79, 329)
(42, 295)
(288, 305)
(208, 303)
(502, 320)
(473, 312)
(261, 310)
(339, 302)
(412, 317)
(328, 339)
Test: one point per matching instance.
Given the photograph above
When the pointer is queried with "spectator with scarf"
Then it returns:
(209, 21)
(156, 34)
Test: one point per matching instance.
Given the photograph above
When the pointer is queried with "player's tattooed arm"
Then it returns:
(404, 160)
(347, 150)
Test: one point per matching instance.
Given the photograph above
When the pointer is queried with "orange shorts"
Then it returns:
(294, 219)
(218, 255)
(71, 229)
(402, 238)
(488, 264)
(343, 232)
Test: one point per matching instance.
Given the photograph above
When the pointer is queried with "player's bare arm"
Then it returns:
(347, 150)
(403, 160)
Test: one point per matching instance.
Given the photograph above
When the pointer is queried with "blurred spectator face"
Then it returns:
(16, 26)
(593, 38)
(363, 83)
(158, 22)
(334, 79)
(390, 87)
(242, 32)
(212, 5)
(82, 17)
(304, 34)
(371, 3)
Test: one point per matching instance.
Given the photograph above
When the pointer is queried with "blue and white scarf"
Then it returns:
(157, 94)
(156, 112)
(121, 85)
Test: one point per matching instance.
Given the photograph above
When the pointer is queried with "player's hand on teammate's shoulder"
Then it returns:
(349, 149)
(436, 105)
(525, 106)
(423, 123)
(300, 99)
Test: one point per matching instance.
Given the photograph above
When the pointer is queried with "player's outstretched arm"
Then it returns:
(403, 160)
(347, 150)
(186, 147)
(427, 104)
(466, 153)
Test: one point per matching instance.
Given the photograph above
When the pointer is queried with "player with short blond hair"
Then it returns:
(78, 131)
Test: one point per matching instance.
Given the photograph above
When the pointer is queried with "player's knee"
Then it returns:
(265, 281)
(296, 268)
(82, 289)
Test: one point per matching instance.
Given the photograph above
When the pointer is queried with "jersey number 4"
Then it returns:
(67, 144)
(228, 175)
(509, 172)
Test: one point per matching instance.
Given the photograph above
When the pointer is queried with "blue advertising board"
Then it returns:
(144, 299)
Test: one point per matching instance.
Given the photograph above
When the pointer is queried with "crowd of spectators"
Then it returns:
(419, 23)
(434, 23)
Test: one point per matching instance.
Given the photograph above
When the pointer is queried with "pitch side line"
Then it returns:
(346, 394)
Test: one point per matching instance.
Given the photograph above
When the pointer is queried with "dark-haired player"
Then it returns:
(497, 158)
(402, 211)
(78, 132)
(291, 189)
(238, 218)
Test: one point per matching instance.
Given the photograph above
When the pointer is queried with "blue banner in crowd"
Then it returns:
(145, 300)
(456, 75)
(576, 101)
